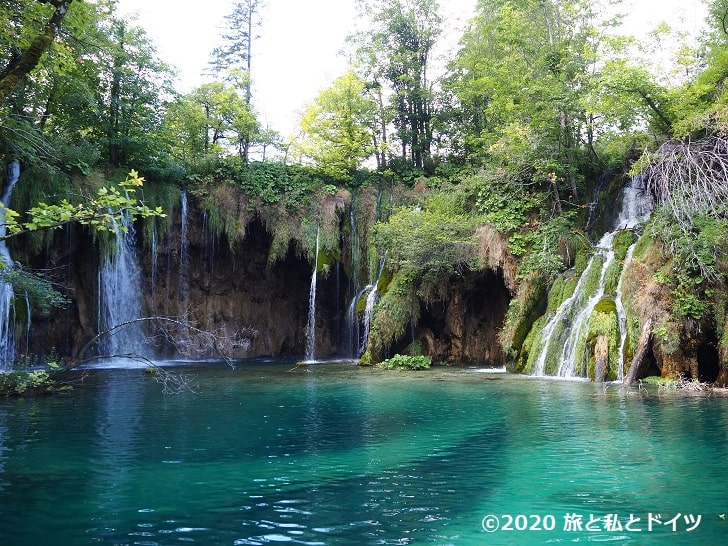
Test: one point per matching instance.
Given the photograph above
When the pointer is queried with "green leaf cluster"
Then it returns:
(103, 212)
(406, 362)
(698, 259)
(434, 243)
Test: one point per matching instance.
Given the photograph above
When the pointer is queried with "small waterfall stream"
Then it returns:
(565, 332)
(311, 324)
(7, 343)
(120, 297)
(184, 250)
(372, 299)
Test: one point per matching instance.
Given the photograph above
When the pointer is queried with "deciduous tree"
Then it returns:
(337, 127)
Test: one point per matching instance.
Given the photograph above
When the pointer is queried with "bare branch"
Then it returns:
(690, 178)
(179, 332)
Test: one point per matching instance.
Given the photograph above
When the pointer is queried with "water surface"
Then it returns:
(333, 454)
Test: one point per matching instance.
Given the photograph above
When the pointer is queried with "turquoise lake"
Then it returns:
(333, 454)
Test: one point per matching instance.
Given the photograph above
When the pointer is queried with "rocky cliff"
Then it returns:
(225, 288)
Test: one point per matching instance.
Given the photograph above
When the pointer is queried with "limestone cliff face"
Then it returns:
(217, 288)
(677, 345)
(226, 288)
(464, 328)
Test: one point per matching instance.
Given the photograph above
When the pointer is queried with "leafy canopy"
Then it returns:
(103, 212)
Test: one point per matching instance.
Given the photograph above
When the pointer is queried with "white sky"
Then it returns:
(297, 54)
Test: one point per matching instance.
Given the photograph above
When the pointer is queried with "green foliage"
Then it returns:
(406, 362)
(19, 382)
(698, 259)
(39, 291)
(103, 212)
(270, 183)
(507, 207)
(337, 127)
(398, 308)
(546, 248)
(433, 242)
(26, 377)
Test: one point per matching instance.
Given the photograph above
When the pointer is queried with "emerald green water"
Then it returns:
(338, 455)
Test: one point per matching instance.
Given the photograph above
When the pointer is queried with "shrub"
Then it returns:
(406, 362)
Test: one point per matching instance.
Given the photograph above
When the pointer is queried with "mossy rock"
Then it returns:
(606, 305)
(622, 241)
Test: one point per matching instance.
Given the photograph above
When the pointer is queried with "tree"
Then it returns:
(543, 66)
(134, 82)
(337, 127)
(401, 42)
(23, 61)
(236, 52)
(207, 120)
(98, 88)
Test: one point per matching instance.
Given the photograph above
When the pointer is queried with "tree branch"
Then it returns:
(30, 58)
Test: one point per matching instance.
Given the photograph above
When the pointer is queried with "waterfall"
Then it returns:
(579, 329)
(566, 330)
(621, 313)
(311, 324)
(357, 343)
(184, 249)
(372, 299)
(120, 296)
(7, 343)
(155, 262)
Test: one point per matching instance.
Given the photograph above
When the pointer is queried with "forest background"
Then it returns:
(539, 102)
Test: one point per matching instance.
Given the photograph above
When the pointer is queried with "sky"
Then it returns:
(298, 51)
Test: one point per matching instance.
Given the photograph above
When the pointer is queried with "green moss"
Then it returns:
(167, 196)
(326, 259)
(645, 242)
(593, 277)
(582, 261)
(384, 281)
(523, 310)
(529, 350)
(561, 289)
(399, 307)
(606, 306)
(622, 241)
(603, 322)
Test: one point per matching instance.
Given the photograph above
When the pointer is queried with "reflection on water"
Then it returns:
(334, 454)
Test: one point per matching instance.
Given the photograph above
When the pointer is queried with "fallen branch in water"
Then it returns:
(179, 332)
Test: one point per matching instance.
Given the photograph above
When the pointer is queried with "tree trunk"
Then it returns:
(639, 356)
(601, 355)
(30, 58)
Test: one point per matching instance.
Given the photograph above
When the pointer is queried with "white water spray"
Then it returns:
(568, 327)
(7, 343)
(372, 299)
(311, 324)
(120, 304)
(184, 250)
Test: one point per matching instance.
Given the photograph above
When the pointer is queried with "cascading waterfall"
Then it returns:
(120, 304)
(577, 333)
(622, 314)
(311, 324)
(184, 249)
(567, 329)
(155, 258)
(7, 343)
(372, 299)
